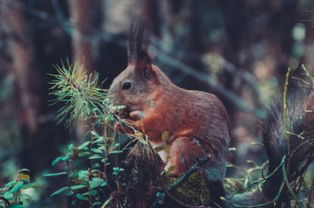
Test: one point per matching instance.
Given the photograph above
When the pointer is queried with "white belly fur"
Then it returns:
(162, 154)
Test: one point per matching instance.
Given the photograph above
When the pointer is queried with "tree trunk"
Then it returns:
(81, 22)
(23, 63)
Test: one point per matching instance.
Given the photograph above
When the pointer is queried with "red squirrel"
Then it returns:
(156, 105)
(197, 124)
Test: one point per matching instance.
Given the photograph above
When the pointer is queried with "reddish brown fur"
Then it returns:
(183, 154)
(197, 122)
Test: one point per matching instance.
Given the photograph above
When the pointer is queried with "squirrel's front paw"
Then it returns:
(137, 115)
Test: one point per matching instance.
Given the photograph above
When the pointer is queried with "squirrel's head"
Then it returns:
(136, 85)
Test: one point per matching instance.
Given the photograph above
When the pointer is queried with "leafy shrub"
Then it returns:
(14, 193)
(87, 164)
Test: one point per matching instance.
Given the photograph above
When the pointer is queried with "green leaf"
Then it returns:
(97, 151)
(99, 140)
(70, 147)
(93, 192)
(17, 187)
(96, 157)
(10, 184)
(84, 145)
(55, 174)
(8, 195)
(116, 152)
(94, 133)
(60, 191)
(83, 175)
(96, 182)
(80, 186)
(96, 165)
(16, 206)
(117, 170)
(101, 147)
(109, 118)
(97, 203)
(81, 197)
(59, 159)
(84, 154)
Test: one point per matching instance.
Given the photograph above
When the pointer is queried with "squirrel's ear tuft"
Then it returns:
(138, 44)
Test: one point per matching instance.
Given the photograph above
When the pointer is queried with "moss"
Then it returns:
(192, 191)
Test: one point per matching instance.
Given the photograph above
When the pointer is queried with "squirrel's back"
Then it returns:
(187, 113)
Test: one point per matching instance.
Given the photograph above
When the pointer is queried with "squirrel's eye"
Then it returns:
(126, 85)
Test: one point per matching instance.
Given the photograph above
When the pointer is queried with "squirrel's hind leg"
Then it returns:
(184, 153)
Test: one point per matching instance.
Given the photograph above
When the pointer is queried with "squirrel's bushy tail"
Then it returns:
(288, 137)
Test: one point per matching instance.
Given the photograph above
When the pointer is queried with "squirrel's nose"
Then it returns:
(113, 102)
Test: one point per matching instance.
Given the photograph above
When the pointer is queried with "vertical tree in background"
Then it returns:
(81, 22)
(23, 62)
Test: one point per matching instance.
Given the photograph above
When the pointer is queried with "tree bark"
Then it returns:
(81, 21)
(23, 62)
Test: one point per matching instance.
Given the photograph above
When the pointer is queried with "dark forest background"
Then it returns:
(238, 50)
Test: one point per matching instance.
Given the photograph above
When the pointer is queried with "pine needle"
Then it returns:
(80, 94)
